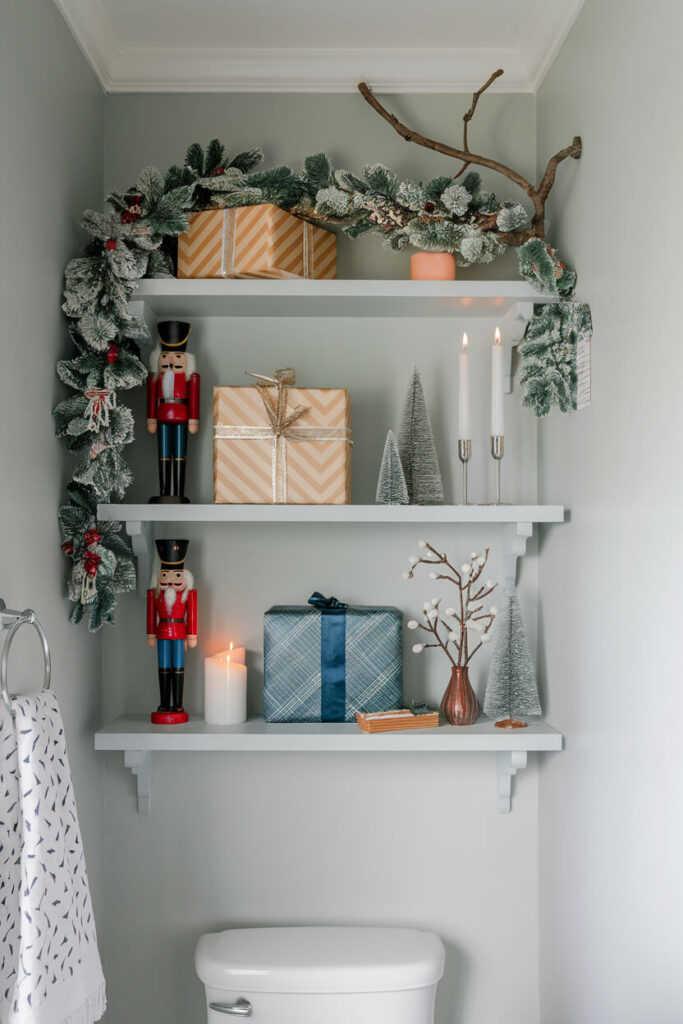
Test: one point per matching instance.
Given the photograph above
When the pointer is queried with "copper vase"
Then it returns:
(459, 705)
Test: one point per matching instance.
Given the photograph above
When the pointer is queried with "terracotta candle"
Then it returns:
(464, 428)
(225, 688)
(497, 426)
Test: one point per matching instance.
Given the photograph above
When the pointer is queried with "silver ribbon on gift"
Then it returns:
(281, 428)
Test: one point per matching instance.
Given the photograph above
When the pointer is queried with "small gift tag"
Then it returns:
(583, 373)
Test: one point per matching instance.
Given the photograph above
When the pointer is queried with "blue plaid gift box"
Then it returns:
(326, 661)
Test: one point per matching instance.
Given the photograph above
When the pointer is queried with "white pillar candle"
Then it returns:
(237, 654)
(225, 689)
(497, 427)
(464, 427)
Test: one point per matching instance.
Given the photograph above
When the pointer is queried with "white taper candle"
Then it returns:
(464, 426)
(497, 423)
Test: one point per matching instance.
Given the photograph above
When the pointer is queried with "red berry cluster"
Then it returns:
(110, 244)
(91, 561)
(134, 210)
(113, 353)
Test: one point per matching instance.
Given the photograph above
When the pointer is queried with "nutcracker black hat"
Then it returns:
(173, 334)
(172, 553)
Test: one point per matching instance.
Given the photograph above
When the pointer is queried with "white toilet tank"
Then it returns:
(321, 975)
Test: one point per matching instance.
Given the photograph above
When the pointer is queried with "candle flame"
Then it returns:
(465, 342)
(231, 645)
(497, 337)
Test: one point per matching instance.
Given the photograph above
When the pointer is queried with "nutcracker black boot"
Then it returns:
(164, 477)
(178, 686)
(179, 480)
(164, 481)
(165, 688)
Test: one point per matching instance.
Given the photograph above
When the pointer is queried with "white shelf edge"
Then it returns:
(136, 733)
(339, 298)
(139, 741)
(401, 288)
(209, 513)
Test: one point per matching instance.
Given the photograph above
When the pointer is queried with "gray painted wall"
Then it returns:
(610, 826)
(236, 840)
(51, 118)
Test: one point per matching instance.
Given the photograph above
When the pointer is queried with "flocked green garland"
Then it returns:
(133, 240)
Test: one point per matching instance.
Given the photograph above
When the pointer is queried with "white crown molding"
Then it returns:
(545, 41)
(92, 31)
(139, 69)
(125, 69)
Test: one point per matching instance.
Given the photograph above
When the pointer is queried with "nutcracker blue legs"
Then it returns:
(179, 456)
(172, 438)
(164, 440)
(171, 659)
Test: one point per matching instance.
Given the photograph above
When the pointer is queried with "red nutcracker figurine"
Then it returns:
(172, 406)
(172, 625)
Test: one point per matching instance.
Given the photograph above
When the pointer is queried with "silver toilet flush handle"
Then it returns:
(242, 1008)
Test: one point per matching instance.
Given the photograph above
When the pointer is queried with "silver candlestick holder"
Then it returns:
(497, 451)
(464, 454)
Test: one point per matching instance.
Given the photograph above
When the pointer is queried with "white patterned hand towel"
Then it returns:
(50, 970)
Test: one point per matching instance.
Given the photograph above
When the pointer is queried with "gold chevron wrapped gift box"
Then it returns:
(260, 461)
(255, 241)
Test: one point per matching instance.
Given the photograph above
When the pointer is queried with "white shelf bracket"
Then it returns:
(138, 307)
(508, 763)
(516, 321)
(141, 539)
(515, 536)
(523, 311)
(140, 763)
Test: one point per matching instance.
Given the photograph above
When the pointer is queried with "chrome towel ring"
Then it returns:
(12, 621)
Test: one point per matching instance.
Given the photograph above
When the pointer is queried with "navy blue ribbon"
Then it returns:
(332, 657)
(328, 604)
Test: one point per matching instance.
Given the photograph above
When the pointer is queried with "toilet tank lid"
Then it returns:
(319, 960)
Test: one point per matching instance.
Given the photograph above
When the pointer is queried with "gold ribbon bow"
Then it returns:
(276, 410)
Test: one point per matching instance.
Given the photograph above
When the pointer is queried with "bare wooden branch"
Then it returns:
(441, 147)
(537, 193)
(470, 114)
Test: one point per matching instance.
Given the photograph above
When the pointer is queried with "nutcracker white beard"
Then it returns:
(167, 383)
(170, 593)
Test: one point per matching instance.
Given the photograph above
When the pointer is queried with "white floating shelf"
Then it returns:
(517, 521)
(170, 297)
(138, 739)
(332, 513)
(134, 732)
